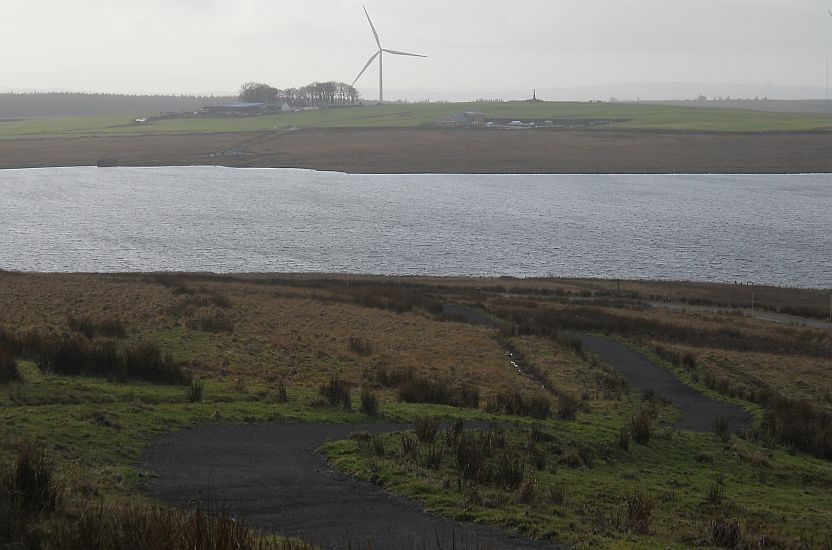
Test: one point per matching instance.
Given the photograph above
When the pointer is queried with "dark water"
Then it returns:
(762, 229)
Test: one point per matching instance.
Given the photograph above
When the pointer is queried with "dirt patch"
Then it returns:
(271, 474)
(698, 410)
(402, 150)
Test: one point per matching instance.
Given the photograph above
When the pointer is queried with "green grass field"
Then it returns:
(624, 115)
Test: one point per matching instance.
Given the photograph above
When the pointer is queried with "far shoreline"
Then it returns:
(445, 151)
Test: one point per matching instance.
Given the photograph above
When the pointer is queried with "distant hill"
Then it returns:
(652, 91)
(806, 106)
(27, 105)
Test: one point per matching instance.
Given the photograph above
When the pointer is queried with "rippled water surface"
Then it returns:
(764, 229)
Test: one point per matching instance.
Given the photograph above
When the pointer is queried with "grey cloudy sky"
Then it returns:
(185, 46)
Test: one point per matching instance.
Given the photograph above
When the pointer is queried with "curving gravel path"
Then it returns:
(698, 410)
(271, 474)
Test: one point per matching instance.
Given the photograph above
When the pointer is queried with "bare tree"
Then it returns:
(257, 92)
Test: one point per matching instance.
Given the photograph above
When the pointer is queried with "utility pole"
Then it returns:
(753, 296)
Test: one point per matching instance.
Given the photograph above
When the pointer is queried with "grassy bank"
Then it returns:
(579, 455)
(620, 115)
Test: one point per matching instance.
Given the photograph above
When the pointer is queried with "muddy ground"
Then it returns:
(446, 151)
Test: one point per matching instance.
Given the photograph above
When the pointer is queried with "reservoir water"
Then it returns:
(764, 229)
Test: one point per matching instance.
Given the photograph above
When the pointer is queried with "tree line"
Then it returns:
(23, 105)
(317, 94)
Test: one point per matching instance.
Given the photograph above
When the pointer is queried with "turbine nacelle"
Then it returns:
(379, 55)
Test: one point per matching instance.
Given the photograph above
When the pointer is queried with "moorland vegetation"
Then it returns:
(93, 368)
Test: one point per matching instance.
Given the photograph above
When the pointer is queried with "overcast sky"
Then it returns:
(199, 46)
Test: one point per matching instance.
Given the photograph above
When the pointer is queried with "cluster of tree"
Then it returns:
(25, 105)
(317, 94)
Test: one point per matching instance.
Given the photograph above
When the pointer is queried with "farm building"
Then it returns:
(462, 120)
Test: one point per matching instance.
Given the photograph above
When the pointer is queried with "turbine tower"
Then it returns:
(380, 53)
(827, 93)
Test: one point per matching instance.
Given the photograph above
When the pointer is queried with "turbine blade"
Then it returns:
(830, 12)
(372, 27)
(394, 52)
(365, 67)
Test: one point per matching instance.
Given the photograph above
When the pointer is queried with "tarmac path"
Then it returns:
(698, 410)
(272, 475)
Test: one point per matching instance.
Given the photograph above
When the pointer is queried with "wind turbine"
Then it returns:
(381, 51)
(827, 92)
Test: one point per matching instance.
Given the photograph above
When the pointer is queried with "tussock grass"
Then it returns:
(641, 426)
(92, 328)
(30, 485)
(521, 404)
(370, 404)
(426, 428)
(440, 391)
(550, 321)
(360, 346)
(640, 508)
(195, 390)
(337, 393)
(213, 321)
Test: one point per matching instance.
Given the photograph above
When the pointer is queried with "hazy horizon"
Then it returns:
(213, 46)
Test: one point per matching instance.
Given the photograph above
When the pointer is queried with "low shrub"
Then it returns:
(639, 508)
(438, 391)
(515, 403)
(360, 346)
(720, 428)
(81, 357)
(216, 322)
(798, 424)
(624, 438)
(509, 470)
(146, 361)
(195, 391)
(92, 328)
(369, 403)
(279, 394)
(426, 428)
(432, 456)
(470, 454)
(30, 485)
(537, 457)
(528, 492)
(377, 445)
(704, 457)
(567, 407)
(337, 393)
(724, 533)
(716, 491)
(556, 495)
(134, 526)
(641, 426)
(408, 445)
(8, 366)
